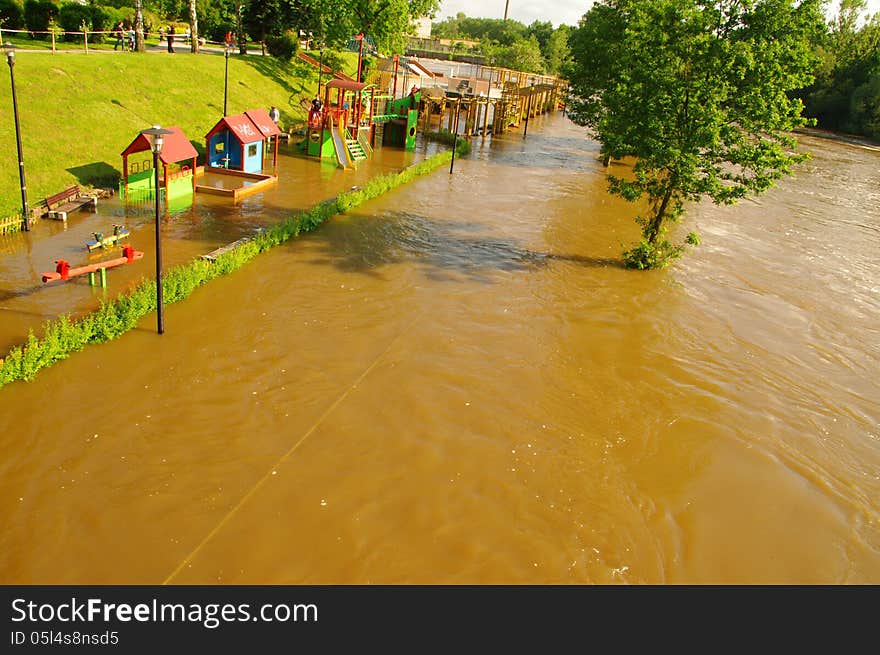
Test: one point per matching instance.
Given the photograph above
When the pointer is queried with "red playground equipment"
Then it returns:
(64, 272)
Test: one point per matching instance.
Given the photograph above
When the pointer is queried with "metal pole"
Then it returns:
(356, 112)
(160, 324)
(225, 76)
(10, 59)
(528, 112)
(320, 70)
(454, 136)
(396, 64)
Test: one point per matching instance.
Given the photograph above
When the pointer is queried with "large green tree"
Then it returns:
(387, 22)
(522, 55)
(697, 93)
(846, 93)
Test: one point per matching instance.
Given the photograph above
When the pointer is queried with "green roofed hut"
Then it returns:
(178, 159)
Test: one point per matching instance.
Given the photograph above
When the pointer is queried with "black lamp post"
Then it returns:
(529, 106)
(454, 136)
(225, 76)
(10, 59)
(156, 135)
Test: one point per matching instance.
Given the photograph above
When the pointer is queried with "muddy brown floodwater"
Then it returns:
(458, 383)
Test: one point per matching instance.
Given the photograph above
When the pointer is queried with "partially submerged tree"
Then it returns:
(697, 92)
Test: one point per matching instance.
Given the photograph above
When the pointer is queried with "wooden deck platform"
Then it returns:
(245, 183)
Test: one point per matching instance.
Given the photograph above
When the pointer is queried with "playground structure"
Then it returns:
(120, 232)
(343, 127)
(467, 99)
(64, 272)
(178, 160)
(489, 100)
(400, 120)
(235, 148)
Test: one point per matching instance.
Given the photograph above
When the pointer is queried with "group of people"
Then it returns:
(124, 37)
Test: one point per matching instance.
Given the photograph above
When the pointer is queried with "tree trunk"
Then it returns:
(139, 26)
(652, 229)
(193, 28)
(239, 26)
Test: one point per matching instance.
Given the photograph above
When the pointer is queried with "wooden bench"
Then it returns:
(69, 200)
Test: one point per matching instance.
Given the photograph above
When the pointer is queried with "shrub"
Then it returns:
(281, 46)
(11, 15)
(463, 146)
(38, 15)
(72, 16)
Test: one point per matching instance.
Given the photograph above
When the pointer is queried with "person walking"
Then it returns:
(118, 32)
(171, 39)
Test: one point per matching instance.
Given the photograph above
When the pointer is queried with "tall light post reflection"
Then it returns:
(156, 135)
(10, 59)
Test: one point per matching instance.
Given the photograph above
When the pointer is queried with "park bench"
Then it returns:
(69, 200)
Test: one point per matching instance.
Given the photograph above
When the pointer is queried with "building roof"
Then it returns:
(240, 126)
(177, 147)
(348, 85)
(266, 125)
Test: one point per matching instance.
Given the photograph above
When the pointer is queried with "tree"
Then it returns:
(266, 18)
(523, 55)
(193, 28)
(387, 22)
(557, 51)
(844, 93)
(139, 26)
(697, 92)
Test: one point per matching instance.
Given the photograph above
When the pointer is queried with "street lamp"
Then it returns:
(10, 59)
(225, 76)
(529, 106)
(454, 136)
(156, 135)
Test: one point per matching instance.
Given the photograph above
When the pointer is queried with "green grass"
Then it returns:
(78, 112)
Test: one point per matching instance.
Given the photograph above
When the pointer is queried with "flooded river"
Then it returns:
(459, 383)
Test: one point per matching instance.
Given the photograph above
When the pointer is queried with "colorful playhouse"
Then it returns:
(236, 147)
(238, 142)
(177, 174)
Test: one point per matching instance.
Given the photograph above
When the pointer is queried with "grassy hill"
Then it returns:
(78, 112)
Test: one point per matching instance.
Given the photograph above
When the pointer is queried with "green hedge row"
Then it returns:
(63, 336)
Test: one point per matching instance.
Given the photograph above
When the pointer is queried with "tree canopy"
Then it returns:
(537, 48)
(846, 93)
(697, 92)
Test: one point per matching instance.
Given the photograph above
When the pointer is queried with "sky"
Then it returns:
(558, 12)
